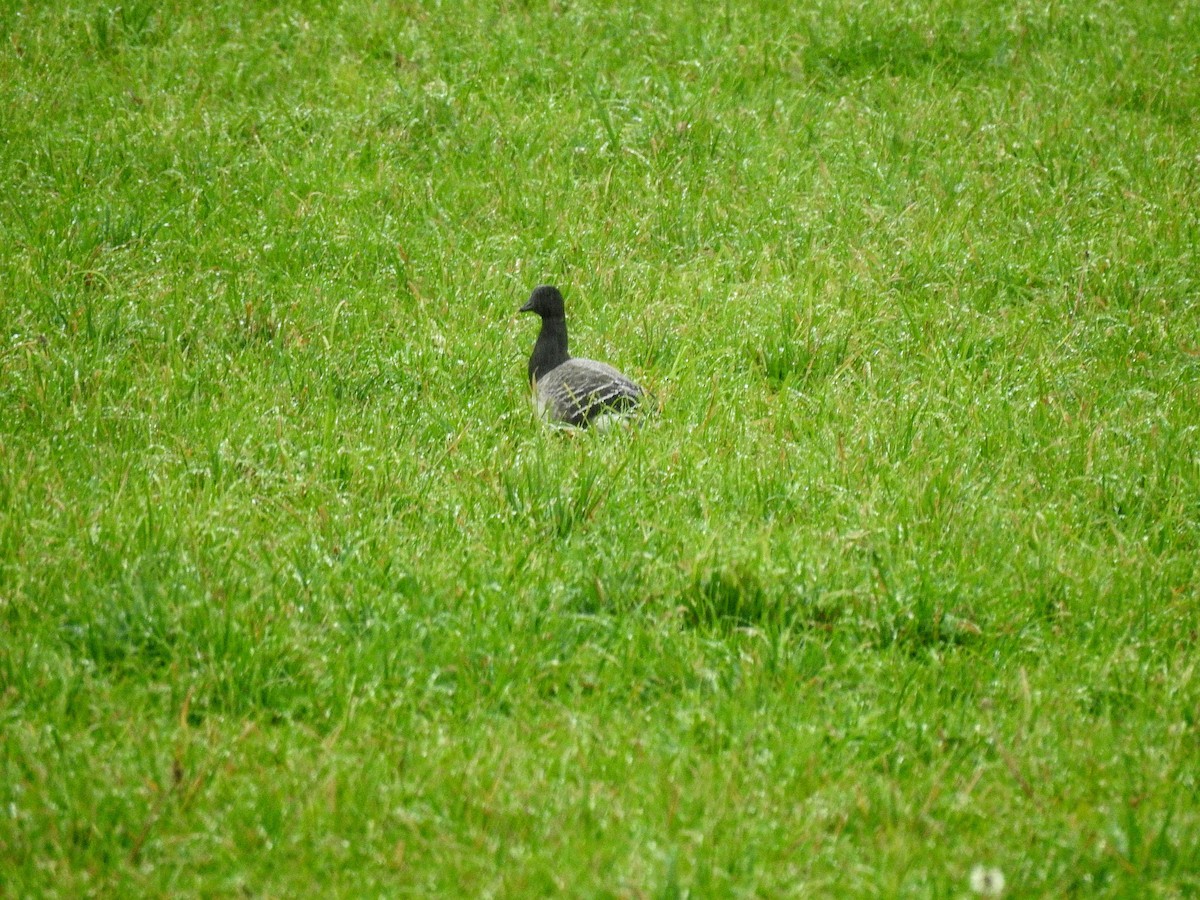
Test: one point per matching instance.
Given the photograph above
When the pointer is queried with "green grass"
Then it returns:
(901, 579)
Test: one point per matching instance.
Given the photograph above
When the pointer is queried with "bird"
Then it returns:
(571, 390)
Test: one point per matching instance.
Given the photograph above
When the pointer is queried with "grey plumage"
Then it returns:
(573, 391)
(579, 390)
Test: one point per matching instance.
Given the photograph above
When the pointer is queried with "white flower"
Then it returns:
(437, 89)
(987, 882)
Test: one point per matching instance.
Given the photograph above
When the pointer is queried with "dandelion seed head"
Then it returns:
(987, 881)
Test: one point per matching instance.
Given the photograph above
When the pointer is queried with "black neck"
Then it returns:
(551, 348)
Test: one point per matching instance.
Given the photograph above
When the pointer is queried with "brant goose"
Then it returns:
(571, 391)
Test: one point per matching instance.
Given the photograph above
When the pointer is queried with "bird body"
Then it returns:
(570, 390)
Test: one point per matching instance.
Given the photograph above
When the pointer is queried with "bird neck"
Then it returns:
(551, 348)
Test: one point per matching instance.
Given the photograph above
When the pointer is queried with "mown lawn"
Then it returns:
(899, 583)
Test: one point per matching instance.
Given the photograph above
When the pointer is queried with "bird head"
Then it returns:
(546, 301)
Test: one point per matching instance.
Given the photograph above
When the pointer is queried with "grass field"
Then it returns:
(900, 580)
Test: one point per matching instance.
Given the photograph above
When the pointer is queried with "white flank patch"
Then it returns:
(608, 420)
